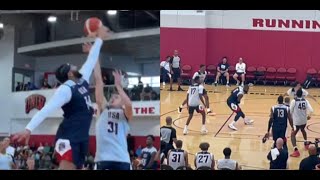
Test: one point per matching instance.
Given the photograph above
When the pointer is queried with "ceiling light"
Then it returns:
(112, 12)
(1, 25)
(52, 19)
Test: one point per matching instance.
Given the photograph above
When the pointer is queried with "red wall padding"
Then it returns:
(139, 140)
(258, 48)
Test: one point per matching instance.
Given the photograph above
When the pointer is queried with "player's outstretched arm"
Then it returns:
(61, 96)
(100, 98)
(125, 99)
(93, 56)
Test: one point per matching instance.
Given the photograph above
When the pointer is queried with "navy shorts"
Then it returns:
(234, 106)
(197, 108)
(176, 73)
(279, 133)
(74, 152)
(113, 165)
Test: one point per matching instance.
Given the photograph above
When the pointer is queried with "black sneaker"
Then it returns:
(179, 110)
(180, 89)
(170, 89)
(215, 84)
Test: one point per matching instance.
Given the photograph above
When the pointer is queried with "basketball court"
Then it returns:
(246, 143)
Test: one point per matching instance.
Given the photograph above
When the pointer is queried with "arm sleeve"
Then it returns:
(61, 96)
(87, 68)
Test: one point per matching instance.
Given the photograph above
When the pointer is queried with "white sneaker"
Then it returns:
(209, 112)
(231, 126)
(204, 131)
(248, 122)
(227, 85)
(237, 83)
(185, 131)
(163, 83)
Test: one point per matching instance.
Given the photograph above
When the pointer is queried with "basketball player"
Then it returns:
(279, 115)
(194, 96)
(287, 101)
(204, 158)
(292, 92)
(72, 96)
(177, 157)
(301, 110)
(222, 70)
(112, 125)
(202, 73)
(240, 71)
(175, 69)
(148, 155)
(233, 103)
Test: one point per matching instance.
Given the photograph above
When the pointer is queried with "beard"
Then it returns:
(77, 74)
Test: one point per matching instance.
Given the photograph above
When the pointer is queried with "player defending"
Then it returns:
(202, 73)
(299, 109)
(194, 96)
(233, 103)
(72, 96)
(279, 115)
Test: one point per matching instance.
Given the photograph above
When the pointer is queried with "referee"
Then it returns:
(168, 134)
(175, 68)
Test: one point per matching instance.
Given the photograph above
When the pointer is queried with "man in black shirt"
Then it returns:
(278, 156)
(168, 134)
(222, 70)
(175, 68)
(309, 163)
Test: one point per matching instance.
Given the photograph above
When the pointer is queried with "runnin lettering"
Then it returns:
(285, 24)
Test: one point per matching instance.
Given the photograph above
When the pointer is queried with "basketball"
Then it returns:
(92, 25)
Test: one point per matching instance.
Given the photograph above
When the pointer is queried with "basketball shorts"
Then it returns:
(113, 165)
(240, 73)
(299, 127)
(279, 133)
(74, 152)
(176, 73)
(234, 106)
(199, 109)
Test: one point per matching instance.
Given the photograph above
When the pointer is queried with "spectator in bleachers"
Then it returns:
(40, 148)
(165, 70)
(45, 84)
(278, 156)
(309, 163)
(30, 86)
(33, 147)
(6, 160)
(168, 134)
(19, 86)
(9, 149)
(222, 70)
(138, 151)
(240, 71)
(46, 148)
(135, 93)
(146, 93)
(227, 163)
(204, 158)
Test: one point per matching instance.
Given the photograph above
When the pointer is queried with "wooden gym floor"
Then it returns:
(246, 143)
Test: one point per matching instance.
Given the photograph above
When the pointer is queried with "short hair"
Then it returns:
(202, 65)
(151, 136)
(179, 144)
(227, 152)
(168, 57)
(280, 99)
(296, 83)
(287, 100)
(204, 146)
(224, 57)
(299, 93)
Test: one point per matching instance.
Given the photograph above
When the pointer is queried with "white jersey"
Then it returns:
(201, 75)
(111, 135)
(226, 164)
(176, 62)
(165, 65)
(299, 109)
(176, 158)
(241, 68)
(291, 92)
(5, 161)
(204, 159)
(194, 93)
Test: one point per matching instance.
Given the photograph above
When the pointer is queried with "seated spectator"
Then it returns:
(146, 93)
(222, 70)
(227, 163)
(278, 156)
(309, 163)
(138, 151)
(45, 84)
(40, 148)
(6, 160)
(30, 86)
(33, 147)
(204, 158)
(46, 148)
(47, 162)
(165, 70)
(240, 71)
(9, 149)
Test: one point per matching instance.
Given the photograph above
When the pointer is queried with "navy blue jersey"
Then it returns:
(78, 113)
(233, 98)
(146, 155)
(223, 67)
(280, 116)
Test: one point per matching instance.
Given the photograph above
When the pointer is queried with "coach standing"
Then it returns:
(278, 156)
(175, 68)
(168, 134)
